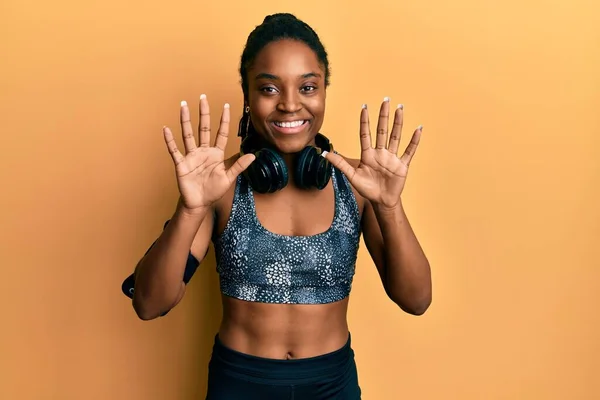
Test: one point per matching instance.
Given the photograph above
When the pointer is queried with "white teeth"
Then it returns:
(289, 124)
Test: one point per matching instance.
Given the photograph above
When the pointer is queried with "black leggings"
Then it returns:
(237, 376)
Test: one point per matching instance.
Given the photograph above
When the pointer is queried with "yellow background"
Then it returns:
(503, 192)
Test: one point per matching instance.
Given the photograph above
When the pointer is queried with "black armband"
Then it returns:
(191, 265)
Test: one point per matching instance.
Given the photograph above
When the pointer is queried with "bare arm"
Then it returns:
(159, 282)
(202, 178)
(402, 265)
(400, 260)
(379, 177)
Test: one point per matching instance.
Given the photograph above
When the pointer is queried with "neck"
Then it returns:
(289, 162)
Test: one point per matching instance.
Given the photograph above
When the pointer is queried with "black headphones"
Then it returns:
(268, 172)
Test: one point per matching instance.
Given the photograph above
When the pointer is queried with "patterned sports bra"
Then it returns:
(257, 265)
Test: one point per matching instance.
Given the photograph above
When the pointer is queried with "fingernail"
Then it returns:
(386, 99)
(364, 106)
(183, 103)
(324, 153)
(226, 105)
(401, 106)
(420, 127)
(202, 96)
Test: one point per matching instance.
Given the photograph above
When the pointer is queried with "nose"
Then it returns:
(289, 102)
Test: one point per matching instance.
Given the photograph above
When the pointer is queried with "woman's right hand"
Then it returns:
(201, 174)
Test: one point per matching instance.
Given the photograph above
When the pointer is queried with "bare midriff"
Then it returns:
(283, 331)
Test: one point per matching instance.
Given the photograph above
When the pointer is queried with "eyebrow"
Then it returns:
(276, 78)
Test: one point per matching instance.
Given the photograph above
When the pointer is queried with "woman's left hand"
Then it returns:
(381, 174)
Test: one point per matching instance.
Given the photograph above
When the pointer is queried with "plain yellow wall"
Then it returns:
(503, 192)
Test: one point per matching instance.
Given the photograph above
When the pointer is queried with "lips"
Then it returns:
(290, 127)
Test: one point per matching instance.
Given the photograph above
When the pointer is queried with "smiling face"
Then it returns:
(286, 95)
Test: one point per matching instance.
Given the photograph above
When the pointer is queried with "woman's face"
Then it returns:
(286, 95)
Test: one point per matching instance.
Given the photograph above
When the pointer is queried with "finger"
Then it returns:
(223, 132)
(172, 146)
(240, 166)
(189, 142)
(340, 163)
(396, 130)
(382, 124)
(204, 125)
(365, 133)
(411, 149)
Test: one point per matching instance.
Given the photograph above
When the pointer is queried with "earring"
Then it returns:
(247, 110)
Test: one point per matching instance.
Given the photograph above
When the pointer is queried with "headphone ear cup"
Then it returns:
(301, 176)
(267, 173)
(279, 172)
(312, 170)
(322, 173)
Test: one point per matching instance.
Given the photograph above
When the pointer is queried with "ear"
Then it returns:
(242, 124)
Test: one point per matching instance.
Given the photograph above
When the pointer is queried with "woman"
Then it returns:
(285, 216)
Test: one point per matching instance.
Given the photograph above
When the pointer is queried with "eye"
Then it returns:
(308, 88)
(268, 90)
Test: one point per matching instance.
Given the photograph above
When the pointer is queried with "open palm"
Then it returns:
(202, 177)
(381, 175)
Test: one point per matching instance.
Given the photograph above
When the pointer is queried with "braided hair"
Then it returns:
(273, 28)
